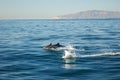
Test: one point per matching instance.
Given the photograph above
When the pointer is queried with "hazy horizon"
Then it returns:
(43, 9)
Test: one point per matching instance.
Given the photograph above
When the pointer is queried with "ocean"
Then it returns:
(96, 43)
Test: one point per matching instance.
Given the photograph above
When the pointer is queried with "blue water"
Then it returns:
(22, 57)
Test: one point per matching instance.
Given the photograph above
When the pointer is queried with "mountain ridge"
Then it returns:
(91, 14)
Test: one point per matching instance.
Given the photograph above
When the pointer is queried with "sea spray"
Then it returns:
(69, 52)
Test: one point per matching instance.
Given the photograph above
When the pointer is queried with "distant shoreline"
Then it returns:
(68, 19)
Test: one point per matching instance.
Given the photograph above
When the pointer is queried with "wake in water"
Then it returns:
(101, 54)
(69, 52)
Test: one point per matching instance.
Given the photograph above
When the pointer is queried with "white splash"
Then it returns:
(69, 52)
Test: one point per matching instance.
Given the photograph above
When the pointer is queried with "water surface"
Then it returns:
(22, 56)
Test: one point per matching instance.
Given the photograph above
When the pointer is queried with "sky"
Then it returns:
(45, 9)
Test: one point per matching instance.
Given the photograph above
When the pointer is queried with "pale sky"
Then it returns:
(40, 9)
